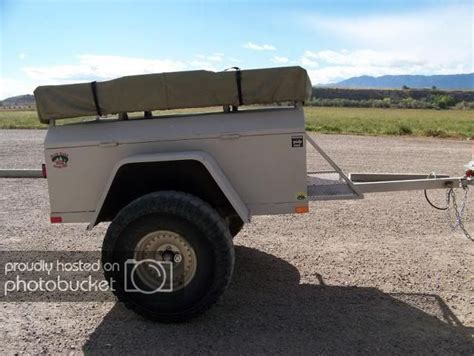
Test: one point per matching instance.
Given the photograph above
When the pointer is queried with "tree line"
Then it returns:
(392, 98)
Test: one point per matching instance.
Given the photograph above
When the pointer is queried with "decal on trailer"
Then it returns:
(60, 160)
(297, 141)
(301, 196)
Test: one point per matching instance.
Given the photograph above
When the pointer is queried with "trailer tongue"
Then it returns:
(336, 185)
(359, 183)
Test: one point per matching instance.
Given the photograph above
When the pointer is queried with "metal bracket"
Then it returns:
(343, 191)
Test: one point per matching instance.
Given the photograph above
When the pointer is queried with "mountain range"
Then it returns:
(451, 81)
(19, 100)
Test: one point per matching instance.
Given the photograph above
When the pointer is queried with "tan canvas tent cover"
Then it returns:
(162, 91)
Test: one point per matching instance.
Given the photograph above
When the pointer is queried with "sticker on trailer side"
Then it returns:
(60, 159)
(297, 141)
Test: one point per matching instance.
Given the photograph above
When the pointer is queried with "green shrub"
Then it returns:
(443, 101)
(404, 130)
(464, 105)
(435, 133)
(387, 102)
(428, 102)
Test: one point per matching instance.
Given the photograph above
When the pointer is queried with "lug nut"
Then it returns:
(177, 258)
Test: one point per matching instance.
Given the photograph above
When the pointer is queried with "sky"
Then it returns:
(68, 41)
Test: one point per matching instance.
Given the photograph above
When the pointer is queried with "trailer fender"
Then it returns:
(204, 158)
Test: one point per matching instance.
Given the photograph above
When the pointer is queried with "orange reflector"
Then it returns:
(301, 209)
(56, 219)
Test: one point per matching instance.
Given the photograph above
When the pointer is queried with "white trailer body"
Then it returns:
(260, 153)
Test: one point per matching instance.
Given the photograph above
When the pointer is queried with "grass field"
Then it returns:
(361, 121)
(19, 120)
(372, 121)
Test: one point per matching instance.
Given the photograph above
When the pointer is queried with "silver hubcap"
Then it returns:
(170, 247)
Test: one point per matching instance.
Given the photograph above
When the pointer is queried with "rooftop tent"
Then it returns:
(176, 90)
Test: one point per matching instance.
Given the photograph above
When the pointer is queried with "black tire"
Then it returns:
(235, 224)
(202, 228)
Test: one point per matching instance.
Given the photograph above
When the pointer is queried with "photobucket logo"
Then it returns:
(148, 276)
(57, 284)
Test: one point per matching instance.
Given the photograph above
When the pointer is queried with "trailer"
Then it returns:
(177, 188)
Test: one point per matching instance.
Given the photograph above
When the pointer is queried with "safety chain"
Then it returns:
(453, 208)
(458, 213)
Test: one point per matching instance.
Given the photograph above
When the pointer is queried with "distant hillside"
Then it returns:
(20, 100)
(454, 81)
(392, 98)
(395, 95)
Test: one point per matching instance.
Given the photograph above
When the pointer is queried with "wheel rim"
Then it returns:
(166, 246)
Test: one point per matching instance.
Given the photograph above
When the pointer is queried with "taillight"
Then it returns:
(56, 219)
(43, 170)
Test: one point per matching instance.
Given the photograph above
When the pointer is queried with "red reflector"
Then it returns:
(43, 170)
(56, 219)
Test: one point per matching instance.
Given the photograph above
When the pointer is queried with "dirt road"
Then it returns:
(382, 275)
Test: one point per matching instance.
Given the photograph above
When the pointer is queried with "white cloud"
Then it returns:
(366, 58)
(234, 60)
(279, 60)
(259, 47)
(307, 60)
(433, 41)
(203, 64)
(101, 67)
(89, 67)
(330, 66)
(214, 57)
(215, 61)
(439, 28)
(11, 87)
(21, 56)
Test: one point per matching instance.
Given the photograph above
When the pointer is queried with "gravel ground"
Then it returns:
(382, 275)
